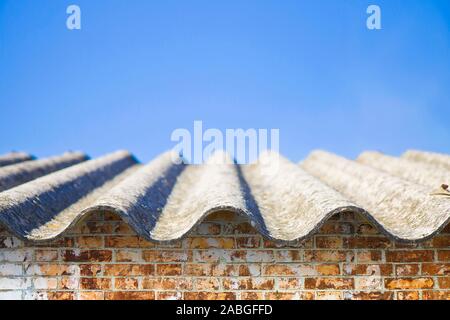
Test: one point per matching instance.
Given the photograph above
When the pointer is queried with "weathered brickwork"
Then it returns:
(224, 258)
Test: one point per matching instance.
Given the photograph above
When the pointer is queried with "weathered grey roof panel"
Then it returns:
(163, 200)
(17, 174)
(419, 172)
(14, 157)
(29, 206)
(404, 209)
(436, 159)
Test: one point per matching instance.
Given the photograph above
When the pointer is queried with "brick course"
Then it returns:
(224, 258)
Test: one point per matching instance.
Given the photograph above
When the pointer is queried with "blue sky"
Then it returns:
(137, 70)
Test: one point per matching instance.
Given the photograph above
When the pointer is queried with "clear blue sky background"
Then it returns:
(140, 69)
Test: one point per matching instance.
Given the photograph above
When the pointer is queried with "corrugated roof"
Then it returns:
(14, 157)
(17, 174)
(405, 197)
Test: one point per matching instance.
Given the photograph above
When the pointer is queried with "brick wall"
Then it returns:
(224, 258)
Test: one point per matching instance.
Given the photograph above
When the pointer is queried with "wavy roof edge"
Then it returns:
(152, 198)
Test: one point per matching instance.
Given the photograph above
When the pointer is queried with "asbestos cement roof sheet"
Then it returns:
(14, 157)
(406, 197)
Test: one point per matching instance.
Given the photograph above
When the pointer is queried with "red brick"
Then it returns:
(206, 229)
(87, 255)
(91, 295)
(369, 295)
(408, 295)
(329, 283)
(221, 216)
(289, 255)
(112, 216)
(409, 283)
(166, 256)
(127, 242)
(235, 270)
(409, 245)
(167, 272)
(288, 270)
(224, 269)
(444, 255)
(248, 283)
(169, 295)
(436, 295)
(446, 229)
(201, 269)
(367, 229)
(289, 295)
(371, 283)
(158, 283)
(369, 256)
(368, 269)
(89, 242)
(329, 295)
(407, 269)
(126, 283)
(52, 269)
(130, 295)
(122, 229)
(248, 242)
(301, 269)
(60, 295)
(328, 242)
(289, 283)
(441, 241)
(436, 269)
(211, 255)
(246, 256)
(68, 283)
(308, 243)
(96, 227)
(63, 242)
(207, 284)
(332, 227)
(168, 269)
(207, 243)
(90, 270)
(209, 296)
(239, 228)
(280, 296)
(335, 217)
(367, 243)
(251, 296)
(328, 269)
(409, 256)
(95, 283)
(96, 216)
(46, 255)
(325, 256)
(128, 256)
(444, 282)
(123, 270)
(350, 216)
